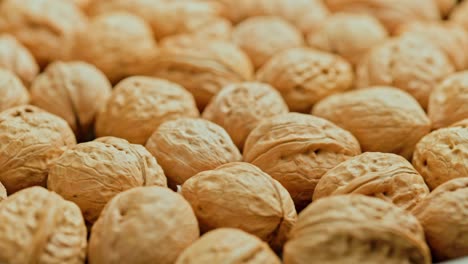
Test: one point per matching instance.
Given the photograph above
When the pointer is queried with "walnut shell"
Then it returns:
(462, 123)
(263, 37)
(383, 119)
(13, 93)
(297, 150)
(251, 200)
(442, 155)
(304, 76)
(230, 246)
(187, 146)
(16, 58)
(74, 91)
(136, 222)
(91, 173)
(30, 139)
(3, 192)
(356, 229)
(138, 105)
(459, 15)
(238, 108)
(39, 226)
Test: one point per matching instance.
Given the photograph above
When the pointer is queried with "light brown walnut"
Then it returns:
(459, 15)
(12, 91)
(16, 58)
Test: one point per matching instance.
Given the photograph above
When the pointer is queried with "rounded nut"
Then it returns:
(356, 229)
(251, 200)
(297, 150)
(187, 146)
(16, 58)
(13, 93)
(459, 15)
(143, 103)
(74, 91)
(91, 173)
(304, 76)
(228, 245)
(238, 108)
(39, 226)
(442, 155)
(383, 119)
(143, 225)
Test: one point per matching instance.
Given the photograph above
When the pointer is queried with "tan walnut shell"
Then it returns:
(39, 226)
(143, 225)
(356, 229)
(383, 119)
(30, 139)
(16, 58)
(12, 91)
(442, 155)
(444, 217)
(91, 173)
(304, 76)
(229, 246)
(459, 15)
(238, 108)
(240, 195)
(297, 150)
(187, 146)
(74, 91)
(263, 37)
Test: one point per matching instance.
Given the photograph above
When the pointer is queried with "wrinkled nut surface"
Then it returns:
(39, 226)
(187, 146)
(459, 15)
(46, 27)
(143, 225)
(238, 108)
(251, 200)
(263, 37)
(383, 119)
(16, 58)
(12, 91)
(74, 91)
(297, 150)
(442, 155)
(138, 105)
(444, 217)
(91, 173)
(356, 229)
(385, 176)
(304, 76)
(30, 139)
(230, 246)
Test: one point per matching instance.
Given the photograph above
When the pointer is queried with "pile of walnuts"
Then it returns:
(233, 131)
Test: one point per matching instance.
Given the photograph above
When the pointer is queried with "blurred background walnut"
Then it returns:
(446, 6)
(12, 91)
(16, 58)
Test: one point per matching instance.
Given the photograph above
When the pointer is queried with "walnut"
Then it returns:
(383, 119)
(16, 58)
(239, 108)
(3, 192)
(228, 245)
(143, 225)
(39, 226)
(251, 200)
(187, 146)
(91, 173)
(442, 155)
(297, 150)
(13, 93)
(74, 91)
(462, 123)
(356, 229)
(304, 76)
(459, 15)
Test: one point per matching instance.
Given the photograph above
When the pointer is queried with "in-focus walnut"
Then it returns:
(356, 229)
(228, 245)
(409, 62)
(138, 105)
(240, 195)
(297, 150)
(383, 119)
(75, 91)
(444, 217)
(30, 139)
(46, 27)
(238, 108)
(263, 37)
(91, 173)
(119, 44)
(187, 146)
(3, 192)
(143, 225)
(445, 6)
(305, 76)
(16, 58)
(39, 226)
(442, 155)
(459, 15)
(13, 93)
